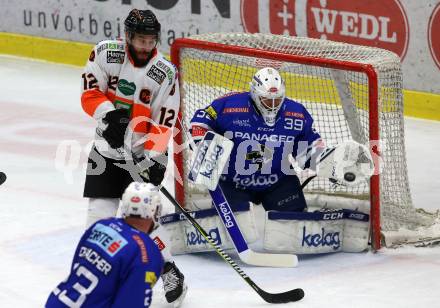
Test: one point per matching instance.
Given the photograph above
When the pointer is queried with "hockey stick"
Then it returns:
(273, 298)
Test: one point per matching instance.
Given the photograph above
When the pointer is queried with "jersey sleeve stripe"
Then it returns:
(141, 118)
(90, 100)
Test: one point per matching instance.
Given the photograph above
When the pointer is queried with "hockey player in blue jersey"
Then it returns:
(116, 263)
(266, 127)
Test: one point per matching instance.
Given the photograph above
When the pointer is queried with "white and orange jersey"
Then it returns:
(150, 93)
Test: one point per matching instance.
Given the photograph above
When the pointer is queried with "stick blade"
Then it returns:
(281, 298)
(268, 259)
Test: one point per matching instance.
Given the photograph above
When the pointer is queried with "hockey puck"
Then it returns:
(2, 177)
(349, 176)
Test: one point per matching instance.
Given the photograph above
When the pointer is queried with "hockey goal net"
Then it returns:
(352, 92)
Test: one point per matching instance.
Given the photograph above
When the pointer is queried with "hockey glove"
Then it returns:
(117, 121)
(155, 173)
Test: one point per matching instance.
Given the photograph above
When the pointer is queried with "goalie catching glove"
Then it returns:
(349, 163)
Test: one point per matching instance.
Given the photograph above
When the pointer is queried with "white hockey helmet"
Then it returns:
(141, 199)
(268, 93)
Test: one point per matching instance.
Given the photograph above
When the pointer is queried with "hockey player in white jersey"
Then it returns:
(132, 92)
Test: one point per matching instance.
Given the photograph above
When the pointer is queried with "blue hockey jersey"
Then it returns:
(114, 265)
(260, 157)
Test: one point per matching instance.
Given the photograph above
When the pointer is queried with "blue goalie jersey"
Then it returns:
(260, 157)
(114, 265)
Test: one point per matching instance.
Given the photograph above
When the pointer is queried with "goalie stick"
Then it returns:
(246, 254)
(273, 298)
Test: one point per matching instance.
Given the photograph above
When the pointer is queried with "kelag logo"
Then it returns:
(322, 239)
(280, 20)
(434, 35)
(373, 23)
(195, 238)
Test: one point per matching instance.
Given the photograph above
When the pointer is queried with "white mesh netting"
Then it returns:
(337, 99)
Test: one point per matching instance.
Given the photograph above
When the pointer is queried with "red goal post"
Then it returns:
(207, 63)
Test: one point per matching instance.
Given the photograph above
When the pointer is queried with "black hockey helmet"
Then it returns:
(143, 22)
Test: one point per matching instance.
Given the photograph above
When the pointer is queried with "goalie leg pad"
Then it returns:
(316, 232)
(356, 231)
(184, 238)
(303, 232)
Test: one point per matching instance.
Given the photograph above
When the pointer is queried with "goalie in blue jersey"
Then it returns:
(116, 263)
(266, 127)
(267, 131)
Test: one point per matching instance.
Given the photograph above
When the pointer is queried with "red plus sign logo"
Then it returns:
(434, 35)
(278, 16)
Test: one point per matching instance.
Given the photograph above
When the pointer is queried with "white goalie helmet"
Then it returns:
(268, 93)
(141, 199)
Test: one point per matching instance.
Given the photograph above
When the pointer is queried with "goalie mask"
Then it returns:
(141, 199)
(268, 93)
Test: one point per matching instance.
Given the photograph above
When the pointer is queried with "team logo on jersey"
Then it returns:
(115, 56)
(126, 88)
(156, 74)
(92, 56)
(145, 96)
(107, 239)
(151, 278)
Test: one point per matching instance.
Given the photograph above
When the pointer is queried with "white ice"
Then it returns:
(42, 213)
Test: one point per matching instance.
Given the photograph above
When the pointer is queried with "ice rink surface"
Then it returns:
(42, 213)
